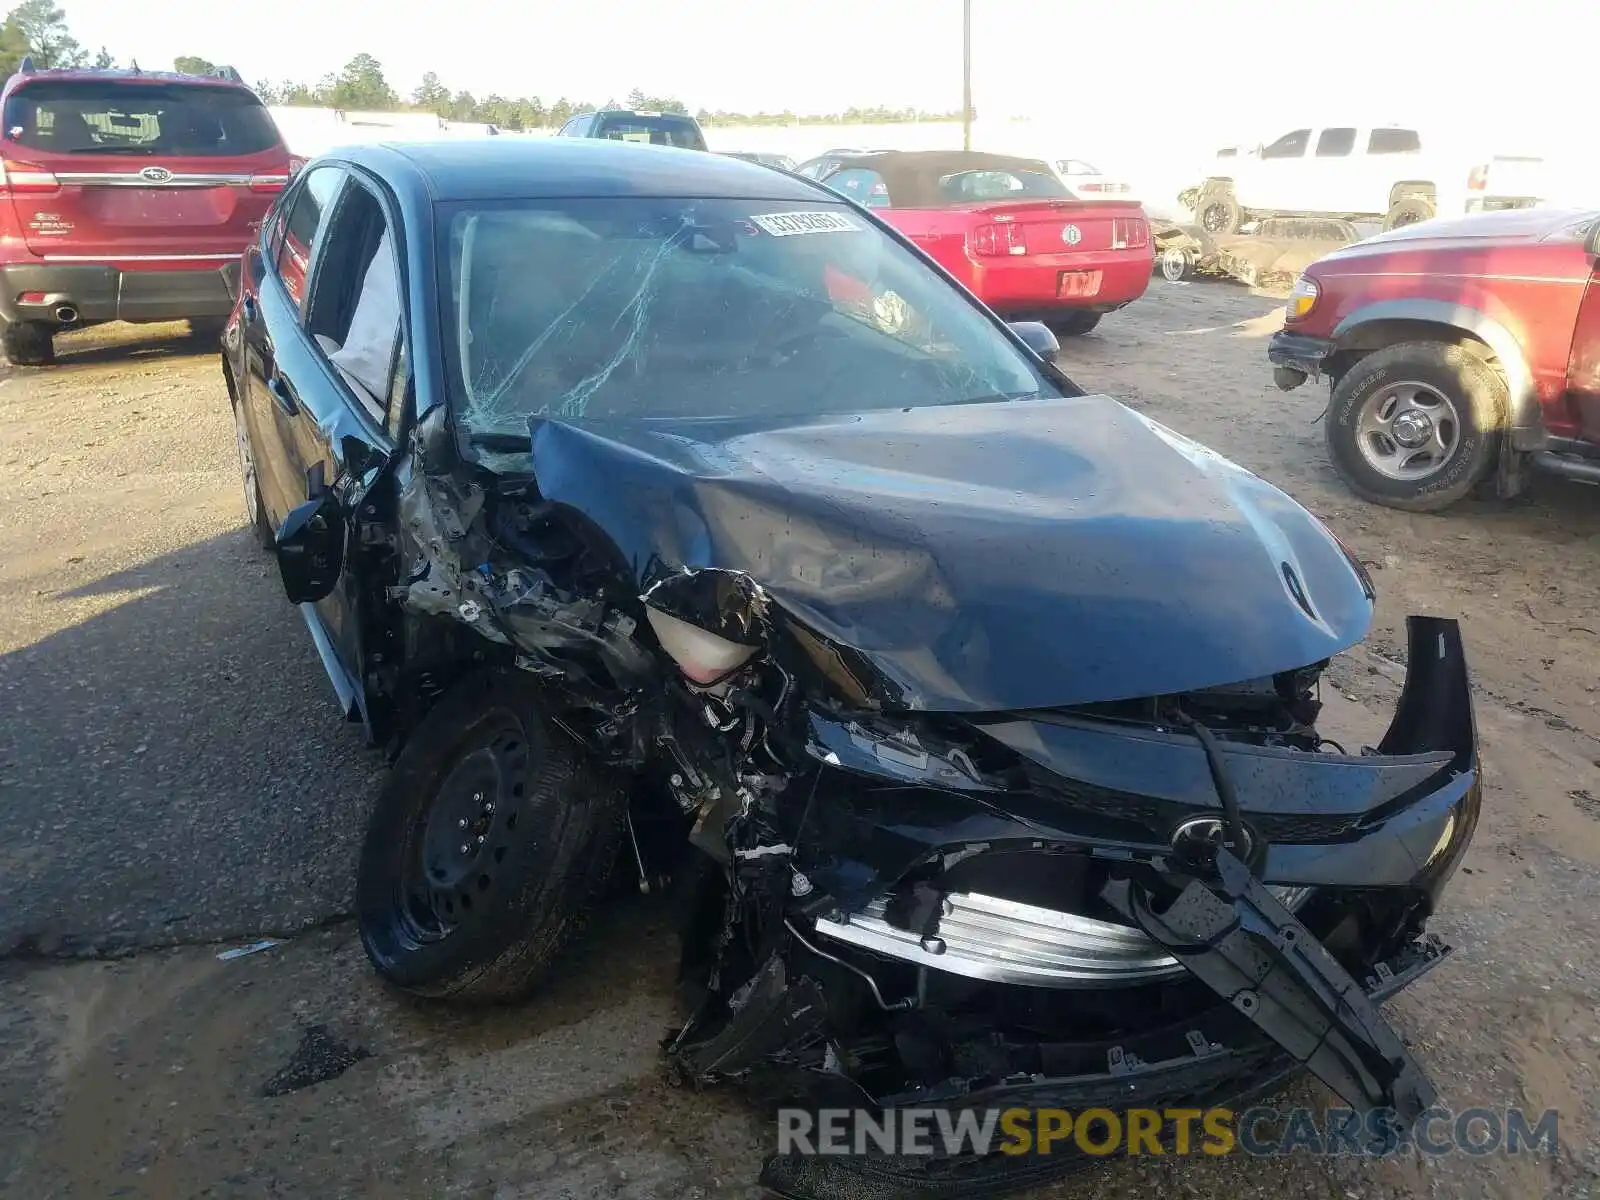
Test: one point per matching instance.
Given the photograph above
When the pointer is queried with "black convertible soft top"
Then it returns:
(912, 176)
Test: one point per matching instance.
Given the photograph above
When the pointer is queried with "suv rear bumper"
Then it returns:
(97, 292)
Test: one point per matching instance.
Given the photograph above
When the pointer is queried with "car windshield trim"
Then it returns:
(694, 310)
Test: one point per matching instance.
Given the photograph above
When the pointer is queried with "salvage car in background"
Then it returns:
(1085, 179)
(627, 125)
(1008, 229)
(1457, 351)
(661, 499)
(128, 196)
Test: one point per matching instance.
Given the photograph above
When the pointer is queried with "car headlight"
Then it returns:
(1303, 298)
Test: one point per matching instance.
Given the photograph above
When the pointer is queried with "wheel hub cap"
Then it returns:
(1413, 429)
(1408, 431)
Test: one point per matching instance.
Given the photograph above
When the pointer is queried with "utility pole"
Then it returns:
(966, 74)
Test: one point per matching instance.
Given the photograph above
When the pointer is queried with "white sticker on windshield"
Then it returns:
(786, 224)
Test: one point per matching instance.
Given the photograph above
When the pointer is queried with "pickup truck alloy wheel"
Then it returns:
(1417, 425)
(1175, 264)
(486, 848)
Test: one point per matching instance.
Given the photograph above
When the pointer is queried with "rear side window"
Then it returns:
(964, 186)
(92, 116)
(1394, 141)
(308, 217)
(1335, 143)
(654, 131)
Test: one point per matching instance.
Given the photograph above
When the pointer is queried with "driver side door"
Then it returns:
(344, 369)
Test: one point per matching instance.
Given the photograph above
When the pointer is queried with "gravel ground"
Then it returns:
(177, 779)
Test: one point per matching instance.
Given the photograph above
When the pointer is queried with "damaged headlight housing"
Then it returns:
(1302, 299)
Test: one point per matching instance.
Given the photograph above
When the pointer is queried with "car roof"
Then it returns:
(121, 75)
(555, 168)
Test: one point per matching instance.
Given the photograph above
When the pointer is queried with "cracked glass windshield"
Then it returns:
(673, 308)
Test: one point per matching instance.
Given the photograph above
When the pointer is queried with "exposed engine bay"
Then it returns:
(1180, 896)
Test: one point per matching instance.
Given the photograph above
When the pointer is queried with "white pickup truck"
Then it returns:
(1359, 172)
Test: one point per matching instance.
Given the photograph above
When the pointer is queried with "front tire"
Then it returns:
(29, 344)
(1176, 264)
(1072, 324)
(1416, 426)
(255, 512)
(489, 843)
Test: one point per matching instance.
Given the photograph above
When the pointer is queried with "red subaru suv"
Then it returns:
(127, 196)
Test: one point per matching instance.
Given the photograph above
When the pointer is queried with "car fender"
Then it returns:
(1523, 418)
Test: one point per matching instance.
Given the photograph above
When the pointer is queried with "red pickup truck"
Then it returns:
(1458, 351)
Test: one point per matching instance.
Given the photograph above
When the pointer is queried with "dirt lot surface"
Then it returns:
(174, 781)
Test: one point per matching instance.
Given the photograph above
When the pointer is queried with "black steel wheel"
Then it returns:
(487, 847)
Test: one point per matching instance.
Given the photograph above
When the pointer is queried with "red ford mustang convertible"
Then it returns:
(1008, 228)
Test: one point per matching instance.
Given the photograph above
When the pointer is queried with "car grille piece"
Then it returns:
(1002, 941)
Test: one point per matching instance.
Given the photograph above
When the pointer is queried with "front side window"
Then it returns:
(93, 116)
(308, 216)
(1290, 145)
(355, 317)
(643, 308)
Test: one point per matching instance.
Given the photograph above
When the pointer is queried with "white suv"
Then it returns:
(1342, 171)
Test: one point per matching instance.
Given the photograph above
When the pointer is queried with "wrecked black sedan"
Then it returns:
(661, 509)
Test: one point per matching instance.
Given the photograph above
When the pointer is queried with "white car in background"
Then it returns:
(1089, 181)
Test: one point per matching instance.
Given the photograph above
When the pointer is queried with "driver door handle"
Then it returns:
(283, 395)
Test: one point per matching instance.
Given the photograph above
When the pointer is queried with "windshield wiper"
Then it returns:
(995, 398)
(128, 149)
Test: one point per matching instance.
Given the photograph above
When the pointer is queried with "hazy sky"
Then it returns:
(1248, 67)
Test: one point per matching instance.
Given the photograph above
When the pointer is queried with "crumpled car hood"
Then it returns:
(982, 557)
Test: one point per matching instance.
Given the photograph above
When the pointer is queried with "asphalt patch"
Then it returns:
(318, 1058)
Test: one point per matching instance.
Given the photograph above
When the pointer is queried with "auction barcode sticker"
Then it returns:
(789, 223)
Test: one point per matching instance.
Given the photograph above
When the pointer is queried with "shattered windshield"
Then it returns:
(673, 308)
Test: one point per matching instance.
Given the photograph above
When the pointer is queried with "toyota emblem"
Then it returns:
(1072, 235)
(155, 174)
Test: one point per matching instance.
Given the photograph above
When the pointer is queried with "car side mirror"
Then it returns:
(310, 549)
(1038, 337)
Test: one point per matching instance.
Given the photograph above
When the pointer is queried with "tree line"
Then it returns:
(38, 29)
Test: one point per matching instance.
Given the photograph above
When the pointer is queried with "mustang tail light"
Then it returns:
(1129, 233)
(996, 241)
(26, 179)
